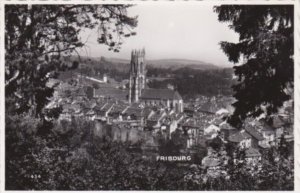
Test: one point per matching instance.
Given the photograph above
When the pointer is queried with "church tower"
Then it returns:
(137, 78)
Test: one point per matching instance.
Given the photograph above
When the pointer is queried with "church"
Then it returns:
(149, 97)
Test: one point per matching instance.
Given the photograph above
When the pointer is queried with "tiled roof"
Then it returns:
(226, 126)
(118, 108)
(252, 131)
(178, 116)
(107, 107)
(134, 111)
(239, 136)
(99, 106)
(222, 111)
(162, 94)
(192, 123)
(90, 112)
(147, 112)
(157, 116)
(213, 127)
(217, 121)
(111, 93)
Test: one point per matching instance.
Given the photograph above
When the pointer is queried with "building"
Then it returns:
(252, 155)
(227, 130)
(149, 97)
(256, 137)
(242, 139)
(192, 128)
(162, 97)
(137, 77)
(211, 131)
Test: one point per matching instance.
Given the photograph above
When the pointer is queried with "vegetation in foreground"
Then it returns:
(67, 156)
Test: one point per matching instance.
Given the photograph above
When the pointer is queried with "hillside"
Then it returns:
(169, 63)
(180, 63)
(189, 77)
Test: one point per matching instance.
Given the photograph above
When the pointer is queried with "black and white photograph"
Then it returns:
(144, 95)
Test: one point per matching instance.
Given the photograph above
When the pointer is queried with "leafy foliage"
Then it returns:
(265, 51)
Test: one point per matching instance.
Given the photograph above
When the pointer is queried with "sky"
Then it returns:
(171, 31)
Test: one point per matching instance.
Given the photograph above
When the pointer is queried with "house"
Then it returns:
(226, 130)
(242, 139)
(156, 119)
(91, 114)
(172, 120)
(211, 131)
(193, 129)
(280, 126)
(222, 112)
(189, 111)
(148, 112)
(256, 137)
(102, 111)
(217, 121)
(168, 125)
(166, 97)
(268, 133)
(133, 113)
(252, 155)
(116, 112)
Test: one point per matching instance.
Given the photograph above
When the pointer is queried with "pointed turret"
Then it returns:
(137, 75)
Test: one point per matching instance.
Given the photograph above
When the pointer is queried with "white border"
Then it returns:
(205, 2)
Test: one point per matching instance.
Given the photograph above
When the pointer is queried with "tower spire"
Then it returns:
(137, 75)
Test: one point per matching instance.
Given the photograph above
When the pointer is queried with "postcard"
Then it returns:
(149, 95)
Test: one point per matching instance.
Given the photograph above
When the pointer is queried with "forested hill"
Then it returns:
(191, 82)
(189, 77)
(168, 63)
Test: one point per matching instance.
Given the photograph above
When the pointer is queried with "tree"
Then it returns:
(36, 36)
(265, 51)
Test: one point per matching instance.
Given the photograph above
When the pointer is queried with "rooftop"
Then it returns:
(111, 93)
(226, 126)
(161, 94)
(133, 111)
(253, 132)
(239, 136)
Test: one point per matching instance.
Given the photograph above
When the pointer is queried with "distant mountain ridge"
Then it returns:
(168, 63)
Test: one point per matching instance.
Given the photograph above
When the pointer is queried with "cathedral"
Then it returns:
(150, 97)
(137, 79)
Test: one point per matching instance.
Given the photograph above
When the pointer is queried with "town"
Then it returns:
(130, 111)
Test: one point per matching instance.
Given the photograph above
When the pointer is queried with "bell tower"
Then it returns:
(137, 77)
